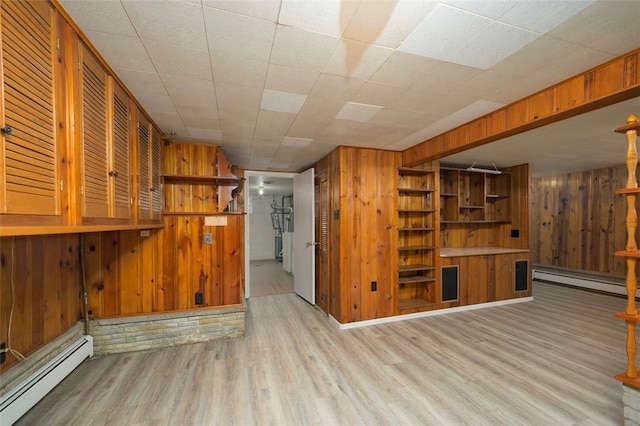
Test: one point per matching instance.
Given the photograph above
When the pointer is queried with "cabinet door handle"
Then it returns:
(112, 173)
(152, 189)
(7, 130)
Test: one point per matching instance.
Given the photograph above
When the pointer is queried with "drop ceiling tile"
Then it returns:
(179, 23)
(273, 100)
(230, 34)
(376, 94)
(237, 138)
(157, 104)
(178, 61)
(291, 79)
(191, 91)
(122, 52)
(231, 122)
(356, 59)
(296, 47)
(273, 123)
(313, 117)
(263, 9)
(403, 69)
(386, 23)
(239, 71)
(107, 17)
(358, 112)
(199, 119)
(613, 27)
(296, 142)
(200, 133)
(339, 129)
(541, 16)
(489, 8)
(142, 81)
(401, 118)
(444, 78)
(329, 17)
(234, 95)
(336, 87)
(464, 38)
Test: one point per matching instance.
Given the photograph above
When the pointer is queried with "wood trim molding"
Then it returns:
(612, 82)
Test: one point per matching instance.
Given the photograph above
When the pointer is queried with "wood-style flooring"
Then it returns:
(269, 278)
(546, 362)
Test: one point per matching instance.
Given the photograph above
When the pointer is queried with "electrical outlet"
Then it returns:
(374, 286)
(208, 238)
(515, 233)
(3, 354)
(199, 298)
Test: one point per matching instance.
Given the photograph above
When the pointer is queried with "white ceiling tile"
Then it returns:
(174, 60)
(376, 94)
(296, 142)
(192, 92)
(386, 23)
(336, 87)
(356, 59)
(274, 100)
(358, 112)
(239, 71)
(291, 79)
(199, 133)
(299, 48)
(122, 52)
(199, 118)
(176, 22)
(489, 8)
(142, 81)
(313, 116)
(108, 17)
(402, 69)
(543, 15)
(230, 95)
(271, 123)
(263, 9)
(464, 38)
(230, 34)
(329, 17)
(157, 104)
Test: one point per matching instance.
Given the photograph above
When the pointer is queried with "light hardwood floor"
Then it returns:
(546, 362)
(269, 278)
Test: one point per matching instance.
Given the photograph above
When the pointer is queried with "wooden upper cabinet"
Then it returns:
(120, 184)
(143, 164)
(93, 141)
(29, 156)
(157, 197)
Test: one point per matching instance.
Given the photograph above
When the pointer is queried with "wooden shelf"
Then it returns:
(214, 180)
(628, 191)
(415, 279)
(412, 268)
(416, 229)
(18, 231)
(407, 248)
(415, 191)
(622, 253)
(415, 211)
(471, 207)
(474, 221)
(417, 302)
(203, 213)
(628, 317)
(408, 171)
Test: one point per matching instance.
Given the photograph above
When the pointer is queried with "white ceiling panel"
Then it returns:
(296, 142)
(134, 57)
(204, 68)
(296, 47)
(358, 112)
(239, 71)
(356, 59)
(274, 100)
(329, 17)
(263, 9)
(230, 34)
(107, 17)
(177, 23)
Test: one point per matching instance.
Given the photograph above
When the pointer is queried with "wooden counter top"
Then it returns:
(478, 251)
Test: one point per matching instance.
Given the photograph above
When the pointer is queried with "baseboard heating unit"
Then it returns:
(16, 402)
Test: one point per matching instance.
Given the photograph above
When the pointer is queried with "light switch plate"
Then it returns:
(208, 238)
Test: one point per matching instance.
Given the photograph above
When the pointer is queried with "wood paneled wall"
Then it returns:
(363, 191)
(42, 275)
(577, 220)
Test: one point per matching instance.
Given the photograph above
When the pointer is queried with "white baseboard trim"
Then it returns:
(584, 282)
(435, 312)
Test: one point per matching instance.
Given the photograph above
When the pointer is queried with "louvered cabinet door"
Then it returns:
(144, 168)
(156, 175)
(29, 182)
(119, 173)
(95, 163)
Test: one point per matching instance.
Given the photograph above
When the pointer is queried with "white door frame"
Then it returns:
(247, 230)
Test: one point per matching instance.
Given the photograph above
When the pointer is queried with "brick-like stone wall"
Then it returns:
(631, 401)
(141, 332)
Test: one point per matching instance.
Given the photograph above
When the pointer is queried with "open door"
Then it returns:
(304, 245)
